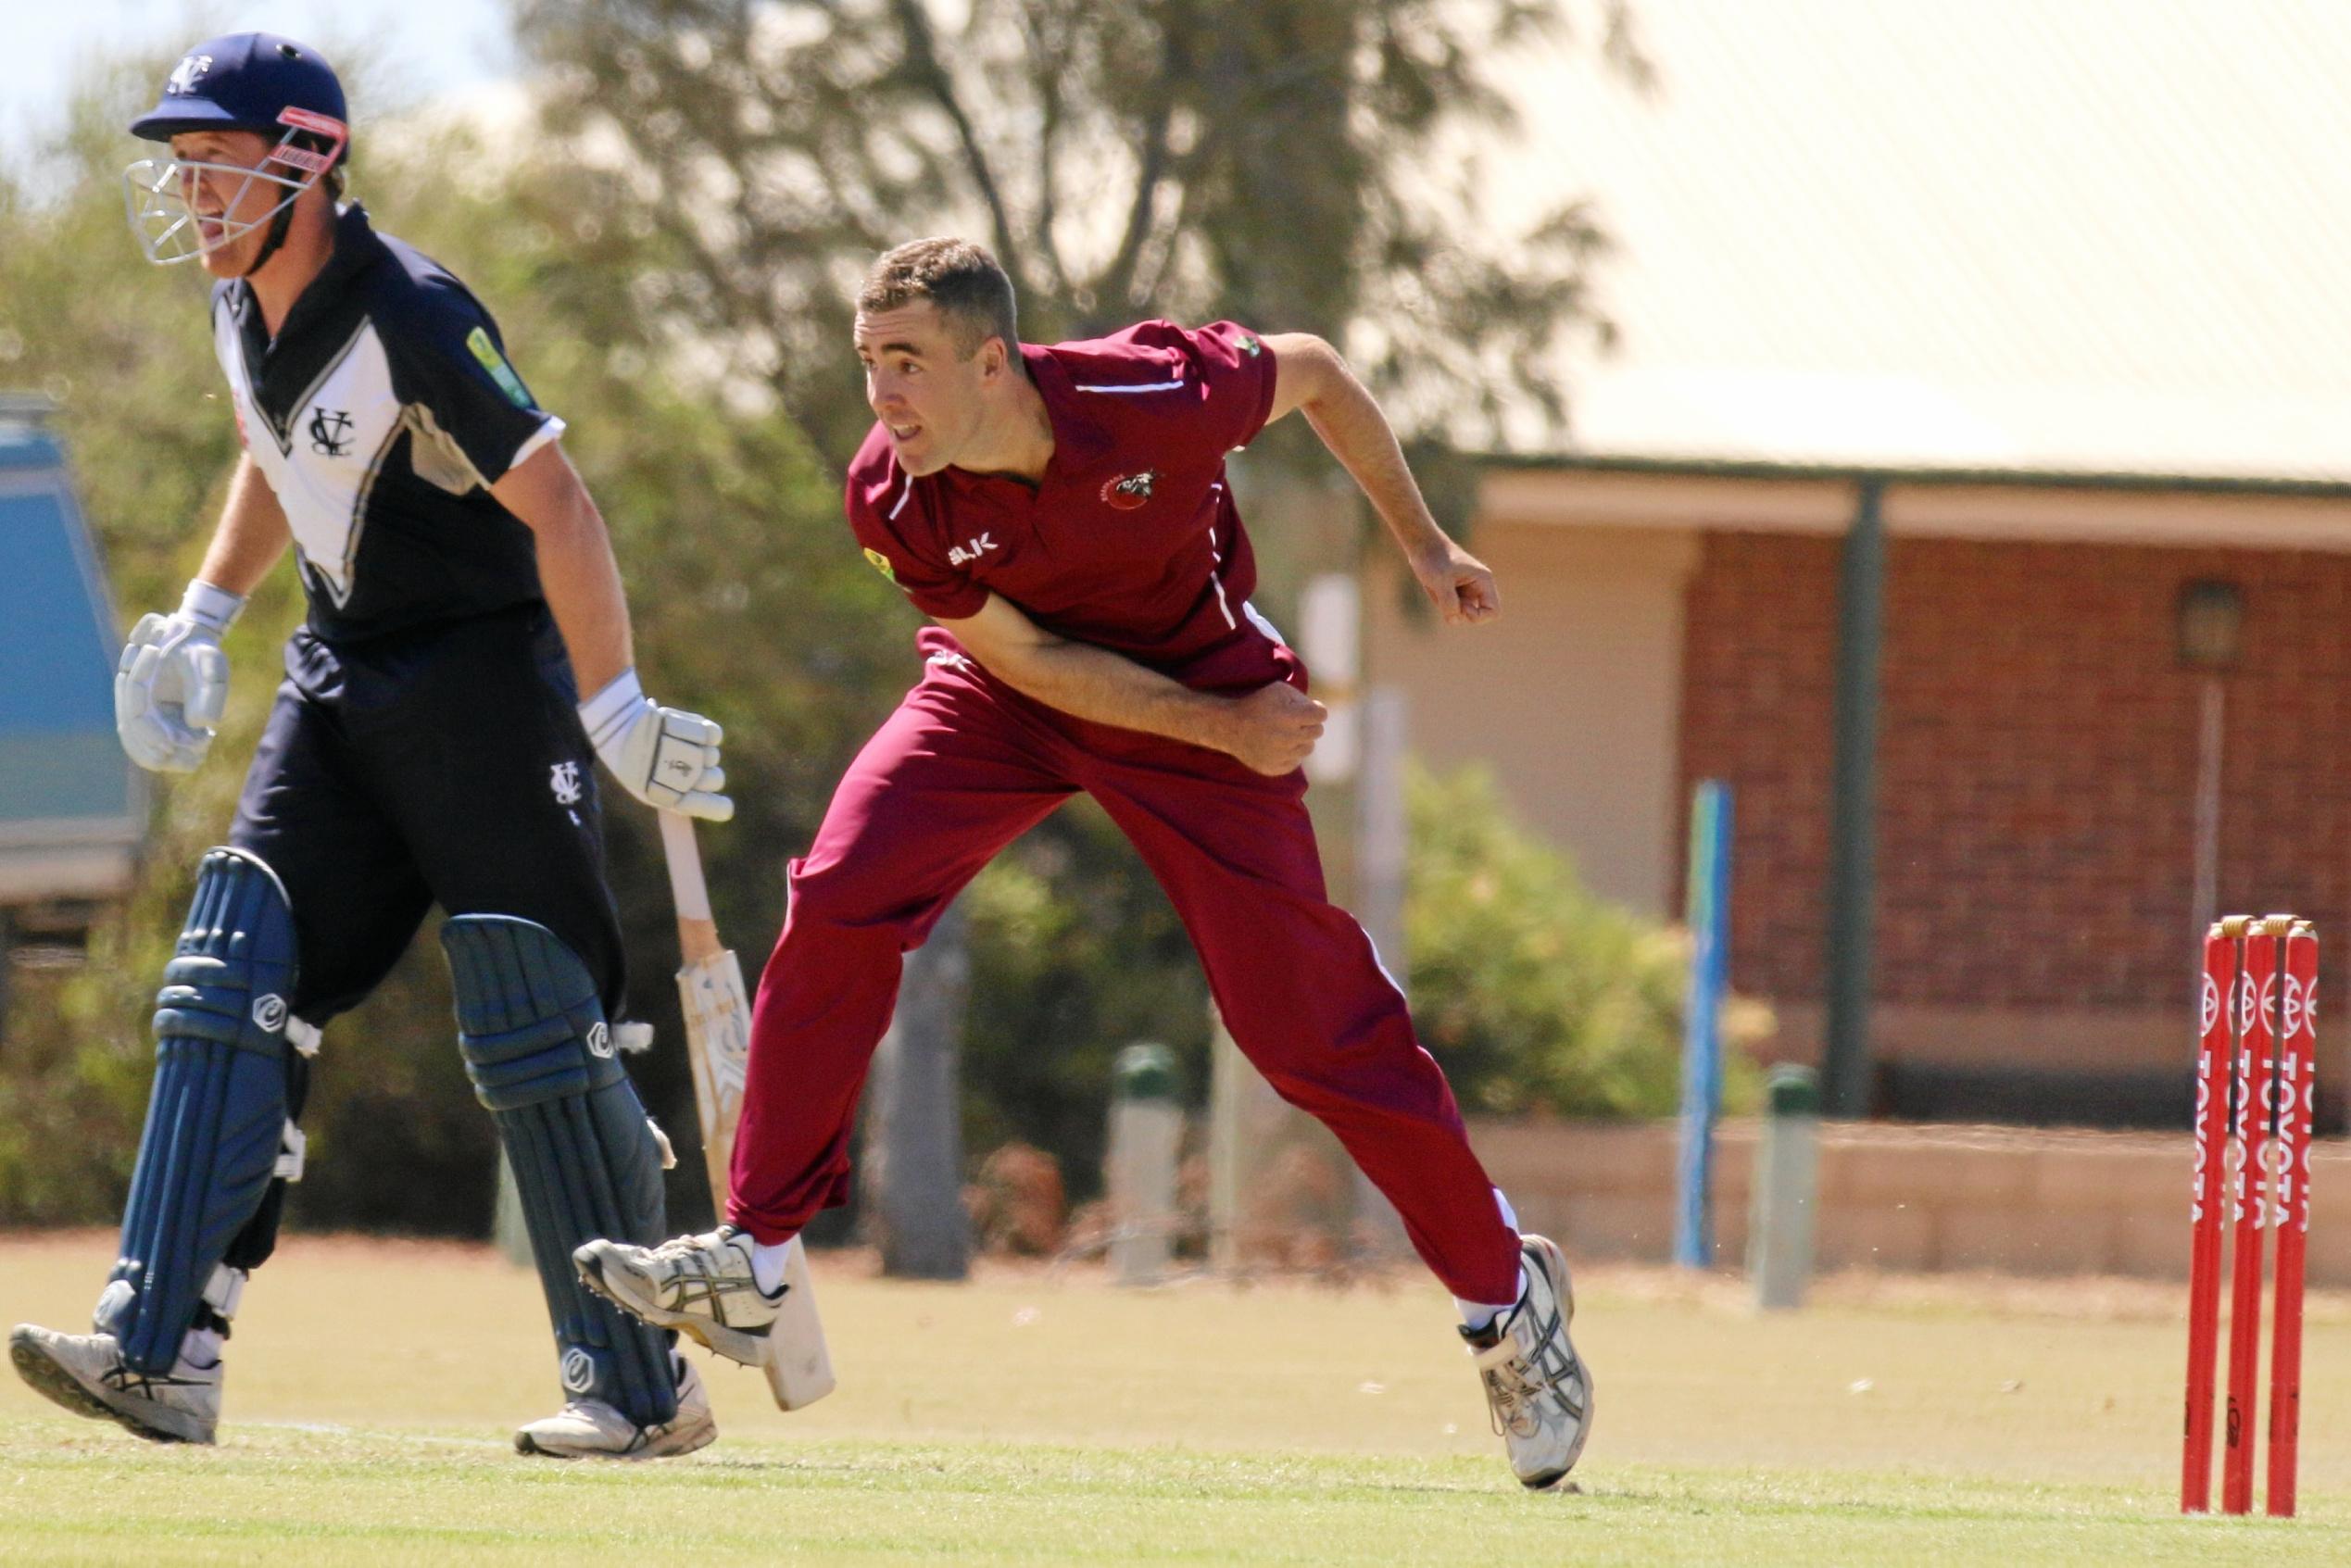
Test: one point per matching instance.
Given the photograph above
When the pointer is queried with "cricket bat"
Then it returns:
(718, 1041)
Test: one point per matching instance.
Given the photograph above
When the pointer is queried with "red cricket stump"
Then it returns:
(2297, 1085)
(2256, 1085)
(2248, 1140)
(2215, 1058)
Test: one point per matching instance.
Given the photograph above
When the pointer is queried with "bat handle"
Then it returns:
(687, 889)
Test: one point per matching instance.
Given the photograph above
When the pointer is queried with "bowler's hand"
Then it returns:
(1458, 583)
(1274, 728)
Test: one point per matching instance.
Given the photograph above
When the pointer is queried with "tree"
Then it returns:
(914, 1155)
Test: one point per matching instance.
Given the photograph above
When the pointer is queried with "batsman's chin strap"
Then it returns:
(273, 239)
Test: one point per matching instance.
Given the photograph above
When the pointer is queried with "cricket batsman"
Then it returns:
(427, 746)
(1063, 517)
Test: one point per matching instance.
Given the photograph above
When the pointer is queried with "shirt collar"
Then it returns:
(1078, 442)
(356, 248)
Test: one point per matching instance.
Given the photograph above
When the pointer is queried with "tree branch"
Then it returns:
(923, 67)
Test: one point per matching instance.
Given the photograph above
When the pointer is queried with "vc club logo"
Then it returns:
(330, 432)
(186, 74)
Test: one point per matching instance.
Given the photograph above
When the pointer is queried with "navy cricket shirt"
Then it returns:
(380, 415)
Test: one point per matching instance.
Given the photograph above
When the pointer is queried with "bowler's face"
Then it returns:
(926, 396)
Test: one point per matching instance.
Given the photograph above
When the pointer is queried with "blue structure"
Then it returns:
(1709, 915)
(71, 813)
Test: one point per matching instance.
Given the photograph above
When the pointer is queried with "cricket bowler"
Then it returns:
(1063, 517)
(427, 747)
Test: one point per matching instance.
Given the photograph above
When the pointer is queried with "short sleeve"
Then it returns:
(881, 524)
(1233, 372)
(448, 359)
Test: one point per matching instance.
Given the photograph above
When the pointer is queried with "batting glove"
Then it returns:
(173, 683)
(665, 757)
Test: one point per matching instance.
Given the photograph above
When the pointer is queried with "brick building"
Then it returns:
(2083, 344)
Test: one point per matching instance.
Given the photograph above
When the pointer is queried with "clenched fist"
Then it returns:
(1458, 583)
(1273, 729)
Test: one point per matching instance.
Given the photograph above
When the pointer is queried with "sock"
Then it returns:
(1479, 1316)
(767, 1265)
(200, 1347)
(1510, 1215)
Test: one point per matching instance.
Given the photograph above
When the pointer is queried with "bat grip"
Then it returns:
(687, 889)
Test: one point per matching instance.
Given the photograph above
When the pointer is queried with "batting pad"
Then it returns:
(217, 1114)
(585, 1163)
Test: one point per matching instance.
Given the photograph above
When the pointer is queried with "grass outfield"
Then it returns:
(1033, 1418)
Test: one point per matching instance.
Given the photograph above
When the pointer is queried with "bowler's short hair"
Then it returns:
(957, 277)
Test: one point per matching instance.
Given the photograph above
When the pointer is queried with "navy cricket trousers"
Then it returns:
(444, 764)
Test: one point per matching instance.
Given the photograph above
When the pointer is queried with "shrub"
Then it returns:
(1531, 990)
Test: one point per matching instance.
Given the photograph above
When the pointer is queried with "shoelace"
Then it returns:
(1509, 1390)
(682, 1246)
(1514, 1384)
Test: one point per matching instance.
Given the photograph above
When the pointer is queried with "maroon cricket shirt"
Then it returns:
(1132, 542)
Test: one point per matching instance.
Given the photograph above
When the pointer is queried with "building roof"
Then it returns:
(2103, 236)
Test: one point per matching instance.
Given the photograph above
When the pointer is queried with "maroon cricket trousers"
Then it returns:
(966, 765)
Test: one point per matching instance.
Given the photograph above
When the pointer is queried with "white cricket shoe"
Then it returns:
(86, 1374)
(592, 1429)
(1538, 1388)
(701, 1285)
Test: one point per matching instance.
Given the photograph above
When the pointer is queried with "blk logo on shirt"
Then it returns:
(1130, 491)
(971, 549)
(330, 432)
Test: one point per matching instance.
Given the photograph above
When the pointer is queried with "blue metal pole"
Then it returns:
(1709, 918)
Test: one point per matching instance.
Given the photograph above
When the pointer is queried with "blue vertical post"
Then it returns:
(1709, 917)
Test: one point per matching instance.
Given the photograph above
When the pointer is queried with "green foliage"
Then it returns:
(1533, 992)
